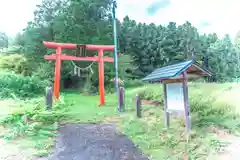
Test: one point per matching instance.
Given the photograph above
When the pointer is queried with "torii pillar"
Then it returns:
(58, 57)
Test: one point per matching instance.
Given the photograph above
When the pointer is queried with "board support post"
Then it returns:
(166, 113)
(186, 104)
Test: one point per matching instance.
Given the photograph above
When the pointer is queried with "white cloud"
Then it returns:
(14, 14)
(135, 9)
(222, 15)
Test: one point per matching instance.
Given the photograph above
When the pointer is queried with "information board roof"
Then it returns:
(176, 70)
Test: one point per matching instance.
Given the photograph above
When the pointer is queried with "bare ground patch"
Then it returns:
(232, 148)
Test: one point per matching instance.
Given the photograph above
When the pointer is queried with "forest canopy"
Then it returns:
(143, 47)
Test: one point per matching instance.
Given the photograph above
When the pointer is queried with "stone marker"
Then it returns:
(138, 106)
(121, 99)
(48, 98)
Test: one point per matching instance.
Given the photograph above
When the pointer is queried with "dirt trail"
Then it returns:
(100, 142)
(12, 151)
(231, 152)
(94, 142)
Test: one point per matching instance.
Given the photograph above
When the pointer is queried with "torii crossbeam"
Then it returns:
(58, 57)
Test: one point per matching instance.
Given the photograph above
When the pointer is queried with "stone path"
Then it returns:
(94, 142)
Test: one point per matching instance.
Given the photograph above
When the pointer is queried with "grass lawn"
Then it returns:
(213, 119)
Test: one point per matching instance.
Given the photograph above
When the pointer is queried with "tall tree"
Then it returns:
(147, 46)
(223, 59)
(189, 41)
(3, 40)
(19, 39)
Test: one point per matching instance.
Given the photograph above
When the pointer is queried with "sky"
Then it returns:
(220, 16)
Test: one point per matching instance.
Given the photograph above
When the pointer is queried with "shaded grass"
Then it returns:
(28, 121)
(207, 110)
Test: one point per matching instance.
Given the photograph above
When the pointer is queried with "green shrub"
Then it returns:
(44, 71)
(16, 63)
(204, 106)
(12, 84)
(150, 93)
(206, 109)
(31, 119)
(13, 49)
(128, 83)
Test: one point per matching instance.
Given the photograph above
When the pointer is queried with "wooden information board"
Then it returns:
(175, 98)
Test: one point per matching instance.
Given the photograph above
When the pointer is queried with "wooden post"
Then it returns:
(48, 98)
(138, 106)
(186, 103)
(166, 114)
(121, 100)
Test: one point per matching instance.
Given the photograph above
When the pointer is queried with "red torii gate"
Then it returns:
(58, 57)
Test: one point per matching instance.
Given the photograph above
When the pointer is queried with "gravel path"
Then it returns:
(94, 142)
